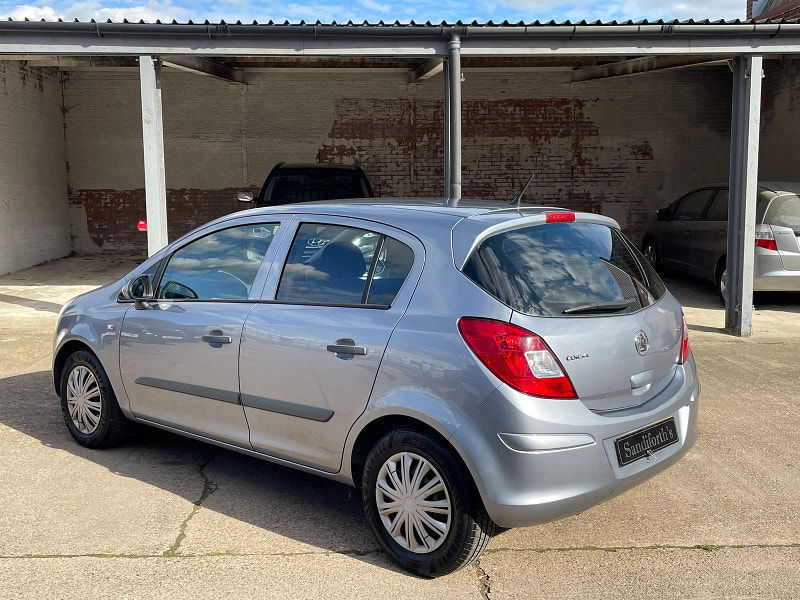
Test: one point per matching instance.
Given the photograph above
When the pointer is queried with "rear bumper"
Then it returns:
(549, 479)
(770, 276)
(777, 281)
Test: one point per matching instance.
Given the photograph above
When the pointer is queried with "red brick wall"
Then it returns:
(624, 147)
(789, 10)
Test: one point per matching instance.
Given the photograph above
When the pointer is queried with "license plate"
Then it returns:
(646, 441)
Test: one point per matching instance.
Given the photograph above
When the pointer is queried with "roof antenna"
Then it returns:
(517, 201)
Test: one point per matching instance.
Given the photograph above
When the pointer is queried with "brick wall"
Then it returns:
(623, 147)
(780, 121)
(33, 183)
(790, 9)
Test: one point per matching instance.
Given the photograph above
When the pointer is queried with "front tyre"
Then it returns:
(88, 403)
(421, 506)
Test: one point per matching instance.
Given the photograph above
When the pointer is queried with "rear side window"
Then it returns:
(332, 264)
(564, 269)
(692, 206)
(784, 211)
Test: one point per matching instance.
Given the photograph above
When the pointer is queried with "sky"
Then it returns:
(372, 10)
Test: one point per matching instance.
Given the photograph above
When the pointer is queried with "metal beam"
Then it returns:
(446, 142)
(637, 66)
(133, 39)
(155, 186)
(454, 118)
(745, 129)
(204, 66)
(427, 69)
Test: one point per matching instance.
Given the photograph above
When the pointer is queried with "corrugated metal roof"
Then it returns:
(412, 24)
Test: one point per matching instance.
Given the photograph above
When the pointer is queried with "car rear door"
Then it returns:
(179, 354)
(711, 241)
(311, 349)
(684, 231)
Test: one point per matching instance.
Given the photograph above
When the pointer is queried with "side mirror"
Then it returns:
(140, 290)
(244, 196)
(662, 214)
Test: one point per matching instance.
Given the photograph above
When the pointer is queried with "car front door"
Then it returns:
(311, 349)
(179, 354)
(680, 233)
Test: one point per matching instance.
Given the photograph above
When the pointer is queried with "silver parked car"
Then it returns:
(468, 367)
(691, 235)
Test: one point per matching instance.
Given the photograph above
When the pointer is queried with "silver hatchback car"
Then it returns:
(469, 368)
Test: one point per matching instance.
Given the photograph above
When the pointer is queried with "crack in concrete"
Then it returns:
(705, 547)
(484, 582)
(197, 555)
(209, 487)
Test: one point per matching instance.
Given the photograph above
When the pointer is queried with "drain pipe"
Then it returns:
(454, 116)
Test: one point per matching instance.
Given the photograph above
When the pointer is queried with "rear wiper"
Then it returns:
(610, 305)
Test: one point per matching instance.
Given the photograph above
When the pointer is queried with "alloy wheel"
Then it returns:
(83, 399)
(413, 502)
(650, 254)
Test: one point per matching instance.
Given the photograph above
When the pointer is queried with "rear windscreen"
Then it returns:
(313, 186)
(564, 269)
(785, 212)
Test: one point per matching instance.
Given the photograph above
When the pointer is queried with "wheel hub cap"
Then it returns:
(83, 399)
(413, 502)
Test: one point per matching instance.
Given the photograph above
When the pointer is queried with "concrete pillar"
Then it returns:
(155, 186)
(745, 129)
(454, 114)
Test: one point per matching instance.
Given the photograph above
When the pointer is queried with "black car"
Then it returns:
(292, 183)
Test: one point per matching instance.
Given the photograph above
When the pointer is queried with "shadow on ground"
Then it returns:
(283, 501)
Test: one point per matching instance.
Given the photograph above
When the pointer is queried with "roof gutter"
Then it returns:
(405, 31)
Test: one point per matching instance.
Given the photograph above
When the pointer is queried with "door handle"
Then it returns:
(216, 337)
(347, 346)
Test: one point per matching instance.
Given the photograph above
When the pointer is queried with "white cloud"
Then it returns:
(34, 13)
(632, 9)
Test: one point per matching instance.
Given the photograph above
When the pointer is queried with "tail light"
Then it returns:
(517, 357)
(765, 238)
(141, 225)
(684, 354)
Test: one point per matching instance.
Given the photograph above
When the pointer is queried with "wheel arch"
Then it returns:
(67, 349)
(373, 431)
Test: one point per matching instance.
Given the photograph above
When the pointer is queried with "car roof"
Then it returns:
(391, 209)
(315, 166)
(778, 187)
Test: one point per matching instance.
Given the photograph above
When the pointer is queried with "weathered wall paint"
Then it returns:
(623, 146)
(33, 182)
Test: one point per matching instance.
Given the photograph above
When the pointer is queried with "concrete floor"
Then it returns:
(164, 516)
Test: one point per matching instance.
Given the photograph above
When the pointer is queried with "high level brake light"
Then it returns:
(765, 238)
(517, 357)
(561, 216)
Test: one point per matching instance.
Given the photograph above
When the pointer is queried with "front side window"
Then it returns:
(333, 264)
(564, 269)
(219, 266)
(692, 206)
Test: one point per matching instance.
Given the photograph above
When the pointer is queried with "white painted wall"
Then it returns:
(34, 223)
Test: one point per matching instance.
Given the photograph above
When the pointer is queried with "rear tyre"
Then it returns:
(90, 408)
(722, 282)
(421, 505)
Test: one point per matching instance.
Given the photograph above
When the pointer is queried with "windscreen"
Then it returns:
(784, 211)
(312, 185)
(564, 269)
